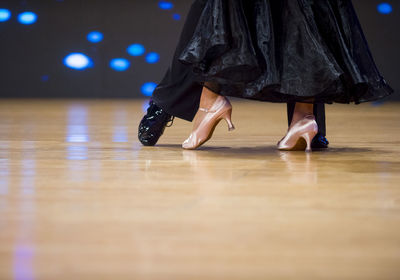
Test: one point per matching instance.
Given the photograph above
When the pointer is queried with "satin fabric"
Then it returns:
(178, 93)
(283, 51)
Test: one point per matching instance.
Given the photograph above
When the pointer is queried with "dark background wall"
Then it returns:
(31, 56)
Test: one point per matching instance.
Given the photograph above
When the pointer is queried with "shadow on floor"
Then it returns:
(259, 151)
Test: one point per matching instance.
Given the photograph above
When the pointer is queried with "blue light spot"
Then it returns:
(136, 50)
(148, 88)
(78, 61)
(119, 64)
(176, 16)
(95, 37)
(4, 15)
(45, 78)
(165, 5)
(385, 8)
(377, 103)
(27, 18)
(152, 57)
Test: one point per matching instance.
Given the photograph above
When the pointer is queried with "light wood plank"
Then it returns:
(80, 198)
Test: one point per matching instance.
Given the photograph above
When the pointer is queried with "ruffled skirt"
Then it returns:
(284, 51)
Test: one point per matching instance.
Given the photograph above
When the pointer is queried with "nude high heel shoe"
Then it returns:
(300, 135)
(221, 109)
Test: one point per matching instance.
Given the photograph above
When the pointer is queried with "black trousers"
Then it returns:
(178, 93)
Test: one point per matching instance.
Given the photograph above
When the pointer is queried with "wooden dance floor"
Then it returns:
(81, 198)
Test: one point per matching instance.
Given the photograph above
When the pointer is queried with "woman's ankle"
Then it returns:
(300, 111)
(207, 98)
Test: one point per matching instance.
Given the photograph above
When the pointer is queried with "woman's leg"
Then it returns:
(300, 111)
(207, 98)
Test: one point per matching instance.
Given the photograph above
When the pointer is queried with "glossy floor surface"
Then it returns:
(80, 198)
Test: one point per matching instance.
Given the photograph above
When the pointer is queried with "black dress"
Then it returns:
(272, 50)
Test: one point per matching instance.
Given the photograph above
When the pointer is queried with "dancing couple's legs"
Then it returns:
(211, 108)
(178, 95)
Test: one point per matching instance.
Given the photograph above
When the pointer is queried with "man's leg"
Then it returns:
(177, 95)
(319, 140)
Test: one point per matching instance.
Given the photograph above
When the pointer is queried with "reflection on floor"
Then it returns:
(81, 198)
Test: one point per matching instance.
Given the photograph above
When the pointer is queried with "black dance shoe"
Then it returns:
(319, 142)
(153, 124)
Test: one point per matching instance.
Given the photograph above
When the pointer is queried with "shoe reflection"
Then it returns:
(300, 167)
(190, 157)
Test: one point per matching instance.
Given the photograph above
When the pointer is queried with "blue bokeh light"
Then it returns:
(165, 5)
(148, 88)
(176, 16)
(119, 64)
(385, 8)
(4, 15)
(152, 57)
(27, 18)
(78, 61)
(136, 50)
(95, 37)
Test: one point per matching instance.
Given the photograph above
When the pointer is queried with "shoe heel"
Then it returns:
(227, 116)
(308, 137)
